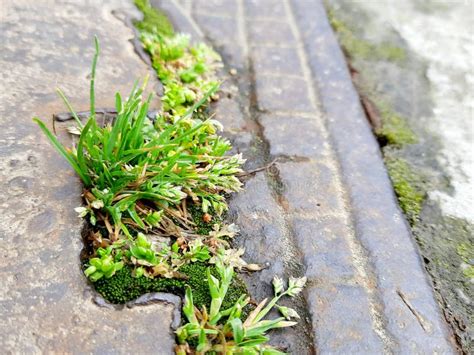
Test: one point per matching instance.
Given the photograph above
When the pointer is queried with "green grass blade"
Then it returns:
(133, 213)
(92, 88)
(69, 107)
(60, 148)
(80, 148)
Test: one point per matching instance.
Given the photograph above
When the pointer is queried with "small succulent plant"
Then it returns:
(105, 265)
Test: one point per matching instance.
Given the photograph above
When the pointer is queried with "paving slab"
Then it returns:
(46, 304)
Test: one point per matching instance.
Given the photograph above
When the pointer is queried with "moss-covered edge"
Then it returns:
(395, 131)
(356, 47)
(408, 187)
(451, 280)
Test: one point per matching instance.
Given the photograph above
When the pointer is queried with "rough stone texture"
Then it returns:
(278, 129)
(328, 200)
(45, 302)
(276, 60)
(282, 93)
(396, 265)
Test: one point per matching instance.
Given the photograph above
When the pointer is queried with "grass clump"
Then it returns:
(137, 172)
(139, 176)
(407, 186)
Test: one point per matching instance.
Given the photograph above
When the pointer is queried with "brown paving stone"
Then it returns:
(380, 227)
(233, 55)
(311, 187)
(215, 7)
(282, 93)
(270, 32)
(290, 135)
(341, 322)
(224, 26)
(46, 303)
(326, 251)
(276, 60)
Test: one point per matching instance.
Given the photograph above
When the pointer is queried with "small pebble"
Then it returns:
(233, 72)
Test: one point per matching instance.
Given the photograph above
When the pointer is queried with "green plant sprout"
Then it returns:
(221, 331)
(137, 172)
(106, 265)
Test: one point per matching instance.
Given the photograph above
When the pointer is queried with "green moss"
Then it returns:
(407, 186)
(197, 214)
(123, 287)
(390, 52)
(469, 272)
(154, 20)
(466, 252)
(395, 129)
(199, 285)
(359, 48)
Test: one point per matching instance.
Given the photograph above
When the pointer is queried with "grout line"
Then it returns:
(274, 75)
(300, 114)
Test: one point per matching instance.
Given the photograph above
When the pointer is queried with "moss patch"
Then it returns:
(466, 252)
(154, 20)
(359, 48)
(123, 287)
(395, 129)
(197, 214)
(407, 186)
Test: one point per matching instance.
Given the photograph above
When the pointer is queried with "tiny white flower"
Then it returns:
(288, 312)
(97, 204)
(295, 285)
(277, 285)
(82, 211)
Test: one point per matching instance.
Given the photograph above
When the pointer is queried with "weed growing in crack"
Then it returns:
(222, 330)
(154, 196)
(139, 174)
